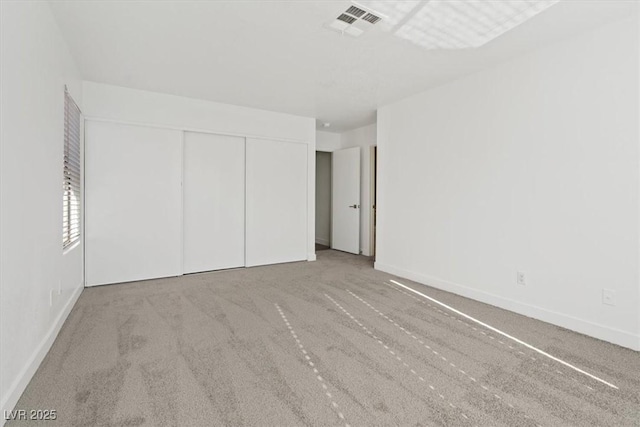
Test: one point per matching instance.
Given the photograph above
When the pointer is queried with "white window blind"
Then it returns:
(71, 173)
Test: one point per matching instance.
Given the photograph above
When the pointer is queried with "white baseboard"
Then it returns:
(605, 333)
(322, 241)
(311, 257)
(32, 364)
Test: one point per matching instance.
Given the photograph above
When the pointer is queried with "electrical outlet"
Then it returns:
(609, 297)
(520, 279)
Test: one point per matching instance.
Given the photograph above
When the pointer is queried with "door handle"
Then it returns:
(355, 206)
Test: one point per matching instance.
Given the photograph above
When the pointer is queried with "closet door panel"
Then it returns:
(214, 174)
(276, 202)
(133, 202)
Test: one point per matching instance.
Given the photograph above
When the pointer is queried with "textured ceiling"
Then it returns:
(278, 55)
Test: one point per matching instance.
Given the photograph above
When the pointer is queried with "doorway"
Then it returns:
(323, 200)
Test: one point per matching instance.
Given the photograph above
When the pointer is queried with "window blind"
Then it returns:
(71, 202)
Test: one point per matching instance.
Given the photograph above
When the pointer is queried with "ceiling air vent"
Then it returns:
(346, 18)
(355, 21)
(355, 11)
(370, 17)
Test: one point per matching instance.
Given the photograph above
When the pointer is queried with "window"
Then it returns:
(71, 173)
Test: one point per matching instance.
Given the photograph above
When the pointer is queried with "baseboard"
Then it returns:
(322, 241)
(25, 375)
(311, 257)
(605, 333)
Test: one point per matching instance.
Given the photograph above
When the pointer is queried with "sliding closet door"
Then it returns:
(133, 202)
(276, 223)
(213, 202)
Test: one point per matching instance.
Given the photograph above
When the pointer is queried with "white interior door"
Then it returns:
(133, 202)
(345, 190)
(213, 202)
(276, 201)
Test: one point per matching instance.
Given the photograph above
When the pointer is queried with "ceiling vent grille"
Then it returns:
(355, 21)
(346, 18)
(370, 17)
(355, 11)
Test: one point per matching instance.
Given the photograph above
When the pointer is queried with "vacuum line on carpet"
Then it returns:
(392, 353)
(433, 351)
(304, 352)
(511, 348)
(504, 334)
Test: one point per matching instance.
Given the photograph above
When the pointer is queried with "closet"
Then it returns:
(163, 202)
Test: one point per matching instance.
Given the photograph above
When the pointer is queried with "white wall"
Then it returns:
(152, 108)
(365, 138)
(118, 104)
(638, 124)
(530, 166)
(328, 141)
(35, 66)
(323, 198)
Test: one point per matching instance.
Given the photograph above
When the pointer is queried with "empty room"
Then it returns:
(320, 213)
